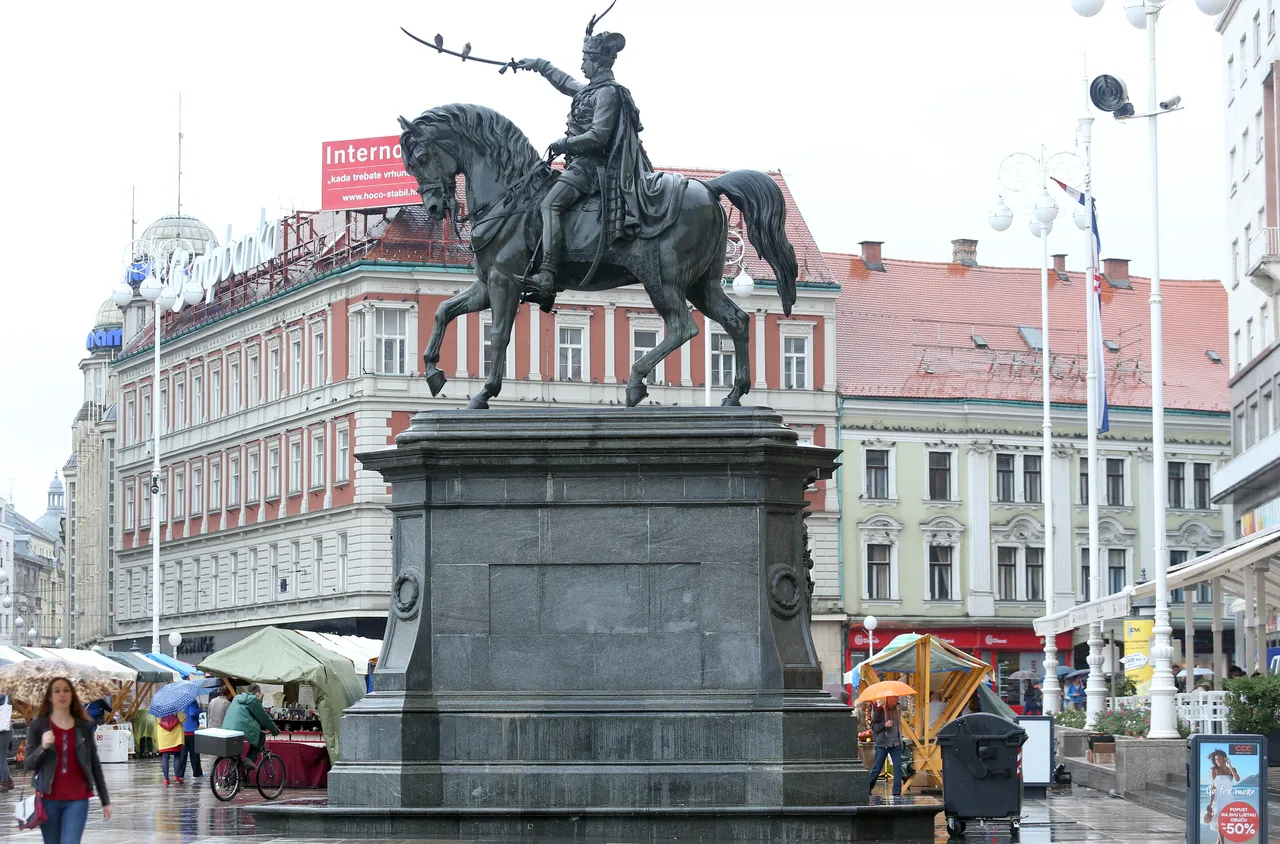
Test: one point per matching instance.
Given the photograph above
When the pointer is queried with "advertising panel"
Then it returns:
(1137, 652)
(364, 173)
(1227, 795)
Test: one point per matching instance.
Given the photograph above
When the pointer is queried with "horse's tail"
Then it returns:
(760, 200)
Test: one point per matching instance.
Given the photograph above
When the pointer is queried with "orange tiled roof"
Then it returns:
(908, 333)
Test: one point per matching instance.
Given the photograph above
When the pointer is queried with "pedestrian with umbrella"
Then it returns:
(61, 752)
(170, 704)
(886, 728)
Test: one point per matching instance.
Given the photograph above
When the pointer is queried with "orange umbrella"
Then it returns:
(885, 688)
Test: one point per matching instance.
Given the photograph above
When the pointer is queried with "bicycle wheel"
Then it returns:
(271, 776)
(225, 778)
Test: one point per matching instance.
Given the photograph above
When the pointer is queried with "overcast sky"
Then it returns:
(889, 120)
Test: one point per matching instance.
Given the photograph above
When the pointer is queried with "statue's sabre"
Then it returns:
(465, 55)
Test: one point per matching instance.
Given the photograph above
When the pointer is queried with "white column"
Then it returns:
(1250, 624)
(982, 599)
(262, 481)
(414, 363)
(610, 311)
(461, 325)
(206, 479)
(829, 353)
(329, 345)
(304, 442)
(367, 353)
(535, 343)
(1260, 570)
(1219, 664)
(760, 383)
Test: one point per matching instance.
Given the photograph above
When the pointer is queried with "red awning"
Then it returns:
(973, 639)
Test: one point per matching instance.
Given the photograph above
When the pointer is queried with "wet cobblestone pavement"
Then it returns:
(145, 812)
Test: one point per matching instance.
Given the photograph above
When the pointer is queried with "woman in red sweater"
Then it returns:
(65, 762)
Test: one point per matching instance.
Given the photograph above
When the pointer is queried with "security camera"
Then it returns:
(1172, 102)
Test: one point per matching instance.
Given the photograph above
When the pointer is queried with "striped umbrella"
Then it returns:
(28, 682)
(174, 698)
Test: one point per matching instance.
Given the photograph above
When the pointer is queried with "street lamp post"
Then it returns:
(870, 623)
(159, 264)
(175, 639)
(1020, 176)
(1145, 14)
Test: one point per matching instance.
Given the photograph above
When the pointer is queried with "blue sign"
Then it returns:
(105, 338)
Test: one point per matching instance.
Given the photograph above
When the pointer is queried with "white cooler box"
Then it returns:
(114, 741)
(218, 742)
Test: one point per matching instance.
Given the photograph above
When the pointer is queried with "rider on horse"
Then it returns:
(602, 152)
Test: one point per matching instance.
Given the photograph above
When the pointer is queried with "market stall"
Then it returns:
(184, 669)
(945, 679)
(288, 659)
(363, 652)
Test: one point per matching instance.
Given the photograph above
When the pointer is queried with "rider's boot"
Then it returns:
(541, 286)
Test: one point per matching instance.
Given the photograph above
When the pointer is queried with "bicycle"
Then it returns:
(230, 773)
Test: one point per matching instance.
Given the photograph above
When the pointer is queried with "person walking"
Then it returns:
(1075, 693)
(63, 756)
(169, 744)
(247, 715)
(1033, 699)
(6, 738)
(190, 723)
(217, 710)
(886, 732)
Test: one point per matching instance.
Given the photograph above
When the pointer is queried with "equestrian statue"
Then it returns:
(603, 221)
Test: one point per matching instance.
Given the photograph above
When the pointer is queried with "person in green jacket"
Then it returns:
(247, 715)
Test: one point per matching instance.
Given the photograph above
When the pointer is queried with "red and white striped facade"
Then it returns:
(269, 518)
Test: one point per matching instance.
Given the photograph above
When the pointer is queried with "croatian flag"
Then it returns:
(1095, 305)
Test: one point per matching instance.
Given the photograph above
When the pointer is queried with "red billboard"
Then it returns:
(364, 173)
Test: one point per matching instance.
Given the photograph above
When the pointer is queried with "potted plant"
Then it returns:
(1253, 706)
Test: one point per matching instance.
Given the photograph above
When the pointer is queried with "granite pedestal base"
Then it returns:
(596, 614)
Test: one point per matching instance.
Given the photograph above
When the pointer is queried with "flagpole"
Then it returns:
(1094, 688)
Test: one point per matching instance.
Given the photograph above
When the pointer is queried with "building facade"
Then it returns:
(37, 585)
(269, 394)
(944, 473)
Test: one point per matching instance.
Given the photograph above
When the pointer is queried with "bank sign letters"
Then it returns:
(220, 262)
(364, 173)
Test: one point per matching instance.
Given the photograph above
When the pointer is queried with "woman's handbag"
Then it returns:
(30, 812)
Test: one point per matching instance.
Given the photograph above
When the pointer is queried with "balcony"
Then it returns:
(1262, 260)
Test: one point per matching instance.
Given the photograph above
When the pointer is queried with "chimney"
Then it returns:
(1060, 262)
(871, 255)
(1116, 271)
(964, 252)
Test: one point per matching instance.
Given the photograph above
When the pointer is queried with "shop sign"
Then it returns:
(220, 262)
(365, 173)
(1256, 520)
(112, 338)
(966, 639)
(858, 640)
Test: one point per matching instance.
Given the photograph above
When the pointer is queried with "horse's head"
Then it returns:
(435, 169)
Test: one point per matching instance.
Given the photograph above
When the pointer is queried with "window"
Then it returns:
(276, 584)
(1204, 594)
(273, 471)
(1177, 558)
(341, 574)
(569, 353)
(319, 374)
(1006, 573)
(795, 363)
(1116, 575)
(878, 572)
(1085, 579)
(1031, 478)
(1231, 177)
(244, 587)
(233, 385)
(1201, 485)
(273, 374)
(255, 380)
(1257, 140)
(1235, 279)
(215, 392)
(1035, 574)
(233, 481)
(643, 341)
(317, 558)
(1248, 335)
(130, 428)
(197, 490)
(179, 494)
(1251, 429)
(1084, 479)
(340, 470)
(1244, 67)
(1231, 78)
(295, 466)
(1271, 19)
(722, 364)
(197, 398)
(252, 486)
(1004, 477)
(940, 573)
(144, 518)
(317, 459)
(1244, 167)
(145, 430)
(391, 339)
(486, 352)
(1257, 36)
(877, 473)
(164, 500)
(128, 506)
(1115, 482)
(215, 485)
(1177, 485)
(295, 363)
(939, 476)
(179, 402)
(1237, 431)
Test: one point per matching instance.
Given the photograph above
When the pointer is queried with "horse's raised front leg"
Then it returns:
(504, 305)
(680, 330)
(474, 298)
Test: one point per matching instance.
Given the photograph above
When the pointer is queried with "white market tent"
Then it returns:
(360, 650)
(11, 655)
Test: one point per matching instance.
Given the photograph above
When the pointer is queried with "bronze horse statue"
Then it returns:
(504, 175)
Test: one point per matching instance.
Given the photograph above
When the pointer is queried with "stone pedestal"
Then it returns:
(599, 618)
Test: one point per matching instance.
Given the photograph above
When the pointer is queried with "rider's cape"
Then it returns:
(640, 203)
